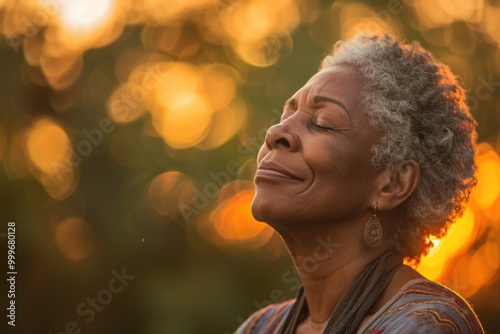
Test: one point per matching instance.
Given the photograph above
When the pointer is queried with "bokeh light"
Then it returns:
(487, 191)
(49, 150)
(47, 144)
(234, 220)
(74, 238)
(448, 261)
(231, 223)
(168, 191)
(85, 15)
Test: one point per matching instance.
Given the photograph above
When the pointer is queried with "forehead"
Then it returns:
(343, 82)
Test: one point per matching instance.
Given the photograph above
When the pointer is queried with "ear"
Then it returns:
(396, 184)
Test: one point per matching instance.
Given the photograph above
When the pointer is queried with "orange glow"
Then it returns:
(466, 10)
(126, 103)
(434, 14)
(436, 246)
(48, 148)
(55, 34)
(236, 222)
(459, 237)
(225, 124)
(490, 23)
(47, 145)
(233, 221)
(177, 126)
(179, 93)
(61, 185)
(265, 52)
(178, 103)
(480, 271)
(249, 21)
(259, 31)
(61, 72)
(492, 249)
(74, 26)
(85, 15)
(454, 261)
(74, 238)
(162, 12)
(488, 175)
(219, 84)
(358, 17)
(179, 83)
(254, 20)
(169, 190)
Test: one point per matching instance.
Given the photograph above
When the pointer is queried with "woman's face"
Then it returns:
(315, 165)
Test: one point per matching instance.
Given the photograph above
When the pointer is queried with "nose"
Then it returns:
(279, 136)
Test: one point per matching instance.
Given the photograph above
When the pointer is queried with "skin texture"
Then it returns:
(315, 181)
(323, 160)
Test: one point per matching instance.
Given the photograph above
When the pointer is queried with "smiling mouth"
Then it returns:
(271, 170)
(264, 172)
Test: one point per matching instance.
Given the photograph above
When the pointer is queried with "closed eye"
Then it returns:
(318, 127)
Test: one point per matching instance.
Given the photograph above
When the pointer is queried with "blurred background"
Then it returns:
(128, 137)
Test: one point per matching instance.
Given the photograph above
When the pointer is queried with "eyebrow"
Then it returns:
(320, 98)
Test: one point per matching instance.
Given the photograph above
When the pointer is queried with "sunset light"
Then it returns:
(130, 130)
(82, 16)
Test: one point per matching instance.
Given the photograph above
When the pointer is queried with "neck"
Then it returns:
(327, 263)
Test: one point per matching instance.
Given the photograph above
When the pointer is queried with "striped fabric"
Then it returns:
(421, 306)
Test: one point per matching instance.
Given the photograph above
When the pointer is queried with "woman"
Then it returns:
(376, 153)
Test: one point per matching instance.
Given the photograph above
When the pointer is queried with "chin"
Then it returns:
(266, 211)
(260, 211)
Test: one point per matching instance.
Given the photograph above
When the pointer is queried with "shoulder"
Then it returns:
(266, 320)
(426, 307)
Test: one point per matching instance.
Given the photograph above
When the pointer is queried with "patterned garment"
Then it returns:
(420, 306)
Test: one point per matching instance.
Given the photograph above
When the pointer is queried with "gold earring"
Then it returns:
(373, 230)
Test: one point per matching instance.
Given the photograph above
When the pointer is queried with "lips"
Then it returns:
(273, 170)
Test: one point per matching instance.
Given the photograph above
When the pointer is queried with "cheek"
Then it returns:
(330, 161)
(340, 170)
(263, 151)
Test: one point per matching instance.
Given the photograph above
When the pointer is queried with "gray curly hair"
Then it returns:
(420, 107)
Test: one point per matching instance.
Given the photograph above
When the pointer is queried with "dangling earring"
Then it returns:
(373, 230)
